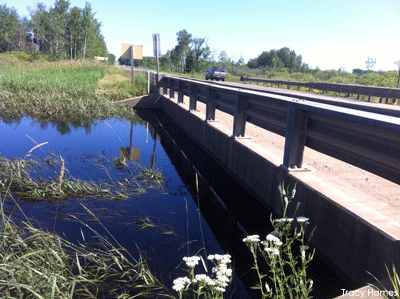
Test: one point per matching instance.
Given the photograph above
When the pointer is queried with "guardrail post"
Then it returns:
(180, 92)
(193, 97)
(211, 104)
(295, 137)
(171, 88)
(165, 85)
(239, 116)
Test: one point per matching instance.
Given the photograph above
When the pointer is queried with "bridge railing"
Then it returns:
(367, 140)
(383, 93)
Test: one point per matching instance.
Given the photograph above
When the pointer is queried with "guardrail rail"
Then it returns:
(367, 140)
(383, 93)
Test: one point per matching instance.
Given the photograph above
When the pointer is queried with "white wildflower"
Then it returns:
(302, 219)
(272, 251)
(311, 285)
(267, 287)
(252, 238)
(274, 239)
(202, 278)
(180, 283)
(191, 261)
(284, 220)
(220, 289)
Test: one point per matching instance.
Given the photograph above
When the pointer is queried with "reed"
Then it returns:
(73, 91)
(35, 263)
(19, 177)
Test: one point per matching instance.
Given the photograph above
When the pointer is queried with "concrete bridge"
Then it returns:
(345, 160)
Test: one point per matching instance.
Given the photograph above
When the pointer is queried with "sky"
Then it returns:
(327, 34)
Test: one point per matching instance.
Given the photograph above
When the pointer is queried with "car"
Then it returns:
(216, 73)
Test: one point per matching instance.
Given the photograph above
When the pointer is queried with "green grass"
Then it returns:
(76, 91)
(35, 263)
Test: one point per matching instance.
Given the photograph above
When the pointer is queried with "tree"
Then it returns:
(278, 59)
(111, 59)
(65, 32)
(9, 27)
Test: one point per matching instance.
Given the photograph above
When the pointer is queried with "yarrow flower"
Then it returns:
(272, 251)
(302, 219)
(203, 278)
(283, 220)
(180, 283)
(223, 259)
(252, 238)
(191, 261)
(272, 238)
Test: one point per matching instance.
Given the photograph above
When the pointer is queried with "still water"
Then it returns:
(191, 184)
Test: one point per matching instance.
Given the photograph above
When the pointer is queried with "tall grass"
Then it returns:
(70, 90)
(35, 263)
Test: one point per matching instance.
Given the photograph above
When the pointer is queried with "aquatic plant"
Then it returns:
(35, 263)
(287, 276)
(19, 177)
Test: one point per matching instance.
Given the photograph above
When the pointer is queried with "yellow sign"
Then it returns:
(126, 51)
(129, 153)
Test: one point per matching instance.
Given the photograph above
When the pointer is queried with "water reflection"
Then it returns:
(164, 223)
(62, 126)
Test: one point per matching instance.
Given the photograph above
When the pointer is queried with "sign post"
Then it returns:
(132, 66)
(157, 54)
(131, 52)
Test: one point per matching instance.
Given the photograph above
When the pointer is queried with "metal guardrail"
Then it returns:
(349, 89)
(367, 140)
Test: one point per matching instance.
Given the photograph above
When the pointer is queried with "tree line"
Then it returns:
(60, 31)
(193, 54)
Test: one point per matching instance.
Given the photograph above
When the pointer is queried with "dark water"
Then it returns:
(174, 209)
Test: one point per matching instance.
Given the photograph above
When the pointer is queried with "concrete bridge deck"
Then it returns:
(361, 208)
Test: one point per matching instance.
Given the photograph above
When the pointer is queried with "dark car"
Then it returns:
(216, 73)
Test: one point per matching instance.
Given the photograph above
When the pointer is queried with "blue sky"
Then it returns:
(328, 34)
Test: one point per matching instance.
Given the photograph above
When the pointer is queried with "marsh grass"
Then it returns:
(69, 90)
(35, 263)
(21, 178)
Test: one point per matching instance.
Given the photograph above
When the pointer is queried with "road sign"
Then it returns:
(126, 51)
(156, 44)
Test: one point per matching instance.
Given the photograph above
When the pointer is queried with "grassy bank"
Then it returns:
(65, 90)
